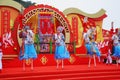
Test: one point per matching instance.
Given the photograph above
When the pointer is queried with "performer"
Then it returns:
(61, 52)
(1, 54)
(44, 45)
(28, 52)
(89, 48)
(91, 45)
(109, 53)
(109, 58)
(119, 40)
(119, 35)
(116, 47)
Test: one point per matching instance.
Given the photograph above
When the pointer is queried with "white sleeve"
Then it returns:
(84, 35)
(113, 37)
(31, 33)
(56, 36)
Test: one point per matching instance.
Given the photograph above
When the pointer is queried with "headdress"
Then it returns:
(60, 28)
(26, 27)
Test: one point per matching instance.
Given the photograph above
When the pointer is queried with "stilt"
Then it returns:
(117, 62)
(31, 64)
(99, 59)
(94, 60)
(89, 61)
(57, 63)
(24, 65)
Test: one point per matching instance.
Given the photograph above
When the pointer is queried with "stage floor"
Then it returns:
(70, 72)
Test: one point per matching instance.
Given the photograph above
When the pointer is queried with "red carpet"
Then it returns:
(70, 72)
(48, 60)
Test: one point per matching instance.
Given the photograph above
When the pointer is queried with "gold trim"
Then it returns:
(10, 56)
(46, 13)
(64, 23)
(72, 59)
(86, 55)
(11, 3)
(44, 60)
(78, 11)
(7, 58)
(80, 28)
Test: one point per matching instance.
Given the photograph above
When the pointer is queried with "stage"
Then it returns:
(70, 72)
(44, 20)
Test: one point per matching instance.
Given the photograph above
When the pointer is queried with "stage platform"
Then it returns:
(47, 60)
(70, 72)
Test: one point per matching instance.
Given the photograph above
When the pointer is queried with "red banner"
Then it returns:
(5, 19)
(75, 28)
(46, 25)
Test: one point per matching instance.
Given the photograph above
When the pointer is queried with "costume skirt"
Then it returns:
(96, 50)
(89, 48)
(61, 52)
(116, 51)
(92, 48)
(29, 52)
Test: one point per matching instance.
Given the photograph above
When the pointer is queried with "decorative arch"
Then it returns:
(33, 10)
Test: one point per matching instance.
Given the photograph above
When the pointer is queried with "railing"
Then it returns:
(44, 48)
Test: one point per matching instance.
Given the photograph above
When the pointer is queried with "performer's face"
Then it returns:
(27, 30)
(58, 31)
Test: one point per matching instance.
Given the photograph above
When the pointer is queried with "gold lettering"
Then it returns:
(55, 14)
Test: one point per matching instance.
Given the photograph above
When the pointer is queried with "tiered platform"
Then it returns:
(75, 68)
(70, 72)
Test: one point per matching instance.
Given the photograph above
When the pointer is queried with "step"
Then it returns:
(65, 74)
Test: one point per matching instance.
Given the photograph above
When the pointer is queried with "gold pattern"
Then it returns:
(44, 60)
(56, 15)
(78, 11)
(80, 28)
(72, 59)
